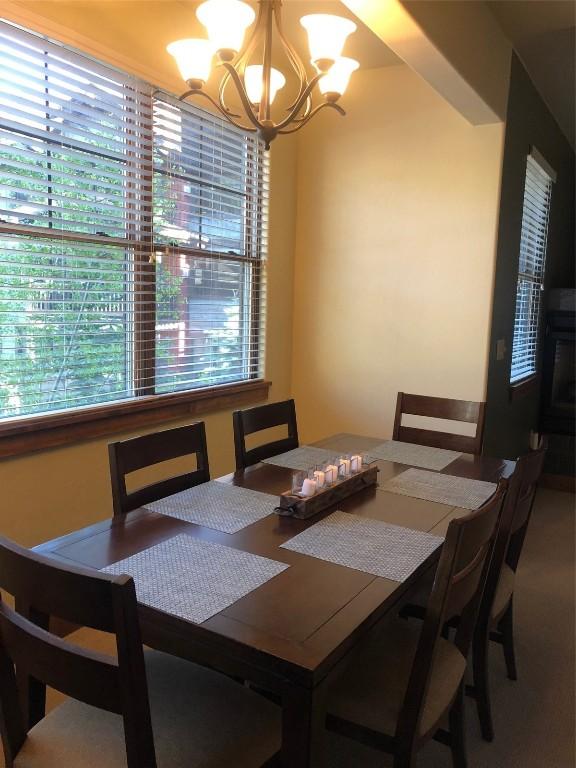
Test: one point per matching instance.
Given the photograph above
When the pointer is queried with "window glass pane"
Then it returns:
(65, 325)
(203, 331)
(69, 136)
(209, 202)
(201, 184)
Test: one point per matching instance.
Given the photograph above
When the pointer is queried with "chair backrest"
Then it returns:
(264, 417)
(44, 588)
(513, 525)
(139, 452)
(457, 591)
(530, 466)
(440, 408)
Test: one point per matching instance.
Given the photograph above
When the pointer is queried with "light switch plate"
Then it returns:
(500, 349)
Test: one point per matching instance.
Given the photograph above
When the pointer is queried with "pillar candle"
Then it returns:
(331, 474)
(344, 467)
(356, 463)
(308, 487)
(320, 478)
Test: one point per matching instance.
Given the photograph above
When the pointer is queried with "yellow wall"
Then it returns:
(49, 493)
(396, 231)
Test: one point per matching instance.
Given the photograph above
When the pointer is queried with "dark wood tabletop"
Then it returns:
(289, 635)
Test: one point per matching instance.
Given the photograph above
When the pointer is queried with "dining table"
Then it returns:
(294, 634)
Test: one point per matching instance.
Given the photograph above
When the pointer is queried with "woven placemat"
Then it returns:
(366, 545)
(445, 489)
(222, 507)
(414, 455)
(194, 579)
(307, 456)
(303, 457)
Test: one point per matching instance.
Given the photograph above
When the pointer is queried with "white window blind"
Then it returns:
(531, 268)
(131, 237)
(210, 220)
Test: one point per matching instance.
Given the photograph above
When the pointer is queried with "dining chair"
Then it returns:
(440, 408)
(132, 709)
(128, 456)
(495, 617)
(408, 677)
(253, 420)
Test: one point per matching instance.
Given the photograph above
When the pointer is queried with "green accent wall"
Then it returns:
(528, 123)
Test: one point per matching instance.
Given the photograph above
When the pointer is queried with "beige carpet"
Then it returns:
(534, 717)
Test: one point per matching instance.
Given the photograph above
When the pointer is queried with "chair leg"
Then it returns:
(481, 684)
(457, 738)
(506, 627)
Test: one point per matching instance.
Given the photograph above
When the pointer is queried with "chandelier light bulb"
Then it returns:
(326, 37)
(226, 22)
(334, 83)
(254, 82)
(194, 59)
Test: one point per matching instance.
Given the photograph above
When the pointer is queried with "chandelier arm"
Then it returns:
(242, 93)
(264, 108)
(224, 112)
(299, 104)
(290, 50)
(250, 44)
(295, 61)
(315, 111)
(242, 57)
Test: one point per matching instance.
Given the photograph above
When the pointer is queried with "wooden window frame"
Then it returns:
(28, 433)
(34, 433)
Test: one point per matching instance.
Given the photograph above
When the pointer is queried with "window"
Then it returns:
(531, 267)
(132, 237)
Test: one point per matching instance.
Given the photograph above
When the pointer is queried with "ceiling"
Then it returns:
(543, 34)
(141, 29)
(541, 31)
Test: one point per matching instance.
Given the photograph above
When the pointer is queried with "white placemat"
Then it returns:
(366, 545)
(414, 455)
(445, 489)
(194, 579)
(222, 507)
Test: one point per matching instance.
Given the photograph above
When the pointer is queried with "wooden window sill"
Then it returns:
(523, 388)
(25, 435)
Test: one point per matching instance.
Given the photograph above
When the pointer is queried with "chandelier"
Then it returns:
(256, 84)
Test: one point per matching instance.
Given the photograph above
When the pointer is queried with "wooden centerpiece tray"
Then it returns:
(292, 505)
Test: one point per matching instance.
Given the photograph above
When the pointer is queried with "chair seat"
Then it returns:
(371, 691)
(504, 591)
(200, 720)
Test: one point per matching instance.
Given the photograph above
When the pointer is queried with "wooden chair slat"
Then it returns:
(440, 408)
(74, 671)
(262, 417)
(76, 594)
(128, 456)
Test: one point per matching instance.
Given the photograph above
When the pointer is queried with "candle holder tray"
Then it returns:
(292, 505)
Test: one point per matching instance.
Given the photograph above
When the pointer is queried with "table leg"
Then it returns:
(303, 727)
